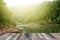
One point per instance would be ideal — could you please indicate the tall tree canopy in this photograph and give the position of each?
(5, 13)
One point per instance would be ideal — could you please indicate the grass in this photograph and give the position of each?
(43, 29)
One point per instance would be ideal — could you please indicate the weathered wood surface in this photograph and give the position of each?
(31, 36)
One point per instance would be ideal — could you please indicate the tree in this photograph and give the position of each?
(58, 10)
(5, 13)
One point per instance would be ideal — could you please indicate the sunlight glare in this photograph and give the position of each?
(23, 2)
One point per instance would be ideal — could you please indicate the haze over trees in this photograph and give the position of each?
(46, 12)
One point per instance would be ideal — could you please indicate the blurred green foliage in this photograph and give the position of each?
(5, 14)
(44, 13)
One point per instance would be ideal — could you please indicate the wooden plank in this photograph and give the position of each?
(34, 36)
(17, 37)
(31, 36)
(4, 36)
(23, 37)
(56, 36)
(11, 36)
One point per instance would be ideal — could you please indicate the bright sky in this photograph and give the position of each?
(23, 2)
